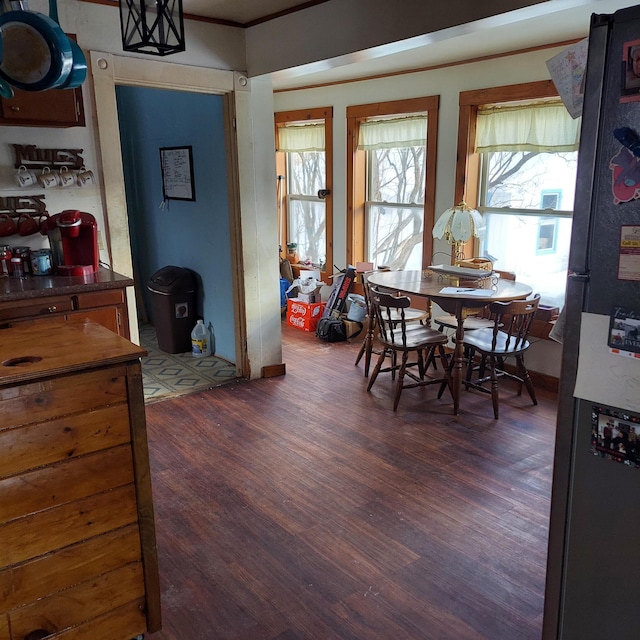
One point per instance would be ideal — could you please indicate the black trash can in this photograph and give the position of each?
(173, 307)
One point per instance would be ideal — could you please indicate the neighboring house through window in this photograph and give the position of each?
(520, 166)
(391, 149)
(304, 165)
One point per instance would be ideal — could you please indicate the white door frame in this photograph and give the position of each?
(108, 71)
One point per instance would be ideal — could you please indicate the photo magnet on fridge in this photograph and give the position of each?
(630, 76)
(624, 331)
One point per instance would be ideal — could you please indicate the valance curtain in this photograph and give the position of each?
(393, 132)
(304, 137)
(543, 127)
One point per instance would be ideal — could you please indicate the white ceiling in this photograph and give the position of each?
(545, 23)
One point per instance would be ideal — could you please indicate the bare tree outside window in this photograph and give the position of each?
(307, 214)
(521, 234)
(395, 206)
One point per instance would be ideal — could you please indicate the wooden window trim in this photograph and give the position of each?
(282, 118)
(356, 179)
(467, 186)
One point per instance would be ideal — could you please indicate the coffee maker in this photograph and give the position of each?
(73, 236)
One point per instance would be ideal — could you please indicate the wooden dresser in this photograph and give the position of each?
(78, 555)
(44, 300)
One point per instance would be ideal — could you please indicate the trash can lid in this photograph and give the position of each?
(171, 279)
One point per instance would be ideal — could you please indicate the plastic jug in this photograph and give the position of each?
(358, 307)
(200, 340)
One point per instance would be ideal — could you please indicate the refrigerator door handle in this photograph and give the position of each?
(579, 277)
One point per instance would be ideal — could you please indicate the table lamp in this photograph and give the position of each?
(458, 225)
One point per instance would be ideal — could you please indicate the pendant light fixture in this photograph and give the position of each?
(152, 26)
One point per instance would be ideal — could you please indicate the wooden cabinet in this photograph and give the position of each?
(78, 555)
(107, 307)
(53, 108)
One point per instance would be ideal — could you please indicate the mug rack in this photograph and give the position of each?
(15, 206)
(32, 157)
(35, 161)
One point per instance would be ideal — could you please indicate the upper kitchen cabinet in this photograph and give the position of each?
(53, 108)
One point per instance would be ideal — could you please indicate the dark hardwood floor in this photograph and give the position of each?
(303, 507)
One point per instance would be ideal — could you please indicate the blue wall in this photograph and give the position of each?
(183, 233)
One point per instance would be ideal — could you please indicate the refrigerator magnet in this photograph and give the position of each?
(629, 253)
(625, 176)
(630, 76)
(624, 332)
(615, 435)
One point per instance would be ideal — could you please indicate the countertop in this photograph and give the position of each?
(60, 349)
(40, 286)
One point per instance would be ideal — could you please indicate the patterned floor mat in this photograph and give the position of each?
(172, 374)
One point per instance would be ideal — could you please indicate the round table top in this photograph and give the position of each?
(431, 285)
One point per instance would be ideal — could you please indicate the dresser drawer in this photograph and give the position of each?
(35, 307)
(34, 579)
(122, 623)
(53, 529)
(93, 299)
(56, 397)
(82, 602)
(35, 445)
(54, 485)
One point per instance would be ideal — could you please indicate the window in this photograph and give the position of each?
(525, 158)
(390, 181)
(550, 199)
(303, 161)
(394, 206)
(547, 233)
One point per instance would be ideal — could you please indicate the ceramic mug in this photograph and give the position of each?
(48, 178)
(66, 177)
(85, 178)
(28, 224)
(25, 177)
(8, 225)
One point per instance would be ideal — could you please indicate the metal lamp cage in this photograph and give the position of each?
(152, 26)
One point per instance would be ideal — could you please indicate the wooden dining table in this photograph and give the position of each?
(458, 297)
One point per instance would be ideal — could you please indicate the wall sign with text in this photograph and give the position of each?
(177, 173)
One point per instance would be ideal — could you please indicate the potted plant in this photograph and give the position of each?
(292, 255)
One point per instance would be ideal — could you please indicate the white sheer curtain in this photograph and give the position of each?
(542, 127)
(301, 137)
(393, 132)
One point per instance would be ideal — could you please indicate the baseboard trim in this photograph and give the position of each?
(274, 370)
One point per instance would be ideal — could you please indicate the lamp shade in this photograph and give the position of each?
(152, 26)
(459, 224)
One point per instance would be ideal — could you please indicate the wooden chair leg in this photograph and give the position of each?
(363, 347)
(494, 386)
(400, 382)
(470, 365)
(376, 369)
(526, 378)
(421, 365)
(366, 348)
(448, 380)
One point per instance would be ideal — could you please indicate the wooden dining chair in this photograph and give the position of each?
(489, 348)
(400, 338)
(411, 314)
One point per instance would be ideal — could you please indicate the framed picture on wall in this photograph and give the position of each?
(176, 164)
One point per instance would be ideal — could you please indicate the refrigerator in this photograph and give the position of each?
(593, 571)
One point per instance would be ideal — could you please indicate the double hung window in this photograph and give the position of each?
(304, 186)
(525, 154)
(394, 208)
(391, 181)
